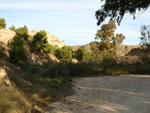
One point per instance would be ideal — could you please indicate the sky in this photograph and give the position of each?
(73, 21)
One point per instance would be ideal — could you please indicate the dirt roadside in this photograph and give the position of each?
(110, 94)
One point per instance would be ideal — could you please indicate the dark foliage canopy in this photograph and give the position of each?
(116, 9)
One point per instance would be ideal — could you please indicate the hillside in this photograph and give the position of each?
(124, 53)
(35, 58)
(122, 50)
(6, 35)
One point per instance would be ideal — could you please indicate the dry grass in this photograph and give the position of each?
(11, 101)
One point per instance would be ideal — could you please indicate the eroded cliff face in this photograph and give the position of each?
(6, 35)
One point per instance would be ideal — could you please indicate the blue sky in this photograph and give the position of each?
(72, 21)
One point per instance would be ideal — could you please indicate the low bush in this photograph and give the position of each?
(118, 69)
(57, 70)
(108, 60)
(146, 59)
(72, 70)
(2, 49)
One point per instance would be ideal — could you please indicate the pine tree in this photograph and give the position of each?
(2, 23)
(17, 52)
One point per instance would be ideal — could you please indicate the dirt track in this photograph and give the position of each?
(119, 94)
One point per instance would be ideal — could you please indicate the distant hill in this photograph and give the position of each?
(122, 50)
(86, 46)
(125, 53)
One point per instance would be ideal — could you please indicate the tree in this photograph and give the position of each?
(39, 41)
(12, 28)
(17, 52)
(82, 55)
(23, 32)
(106, 36)
(145, 35)
(2, 23)
(64, 53)
(116, 9)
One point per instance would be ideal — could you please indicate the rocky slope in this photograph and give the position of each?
(39, 57)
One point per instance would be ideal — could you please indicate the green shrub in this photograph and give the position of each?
(96, 58)
(17, 52)
(64, 54)
(146, 59)
(118, 69)
(57, 70)
(23, 32)
(82, 55)
(2, 49)
(81, 69)
(48, 48)
(39, 41)
(2, 23)
(108, 60)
